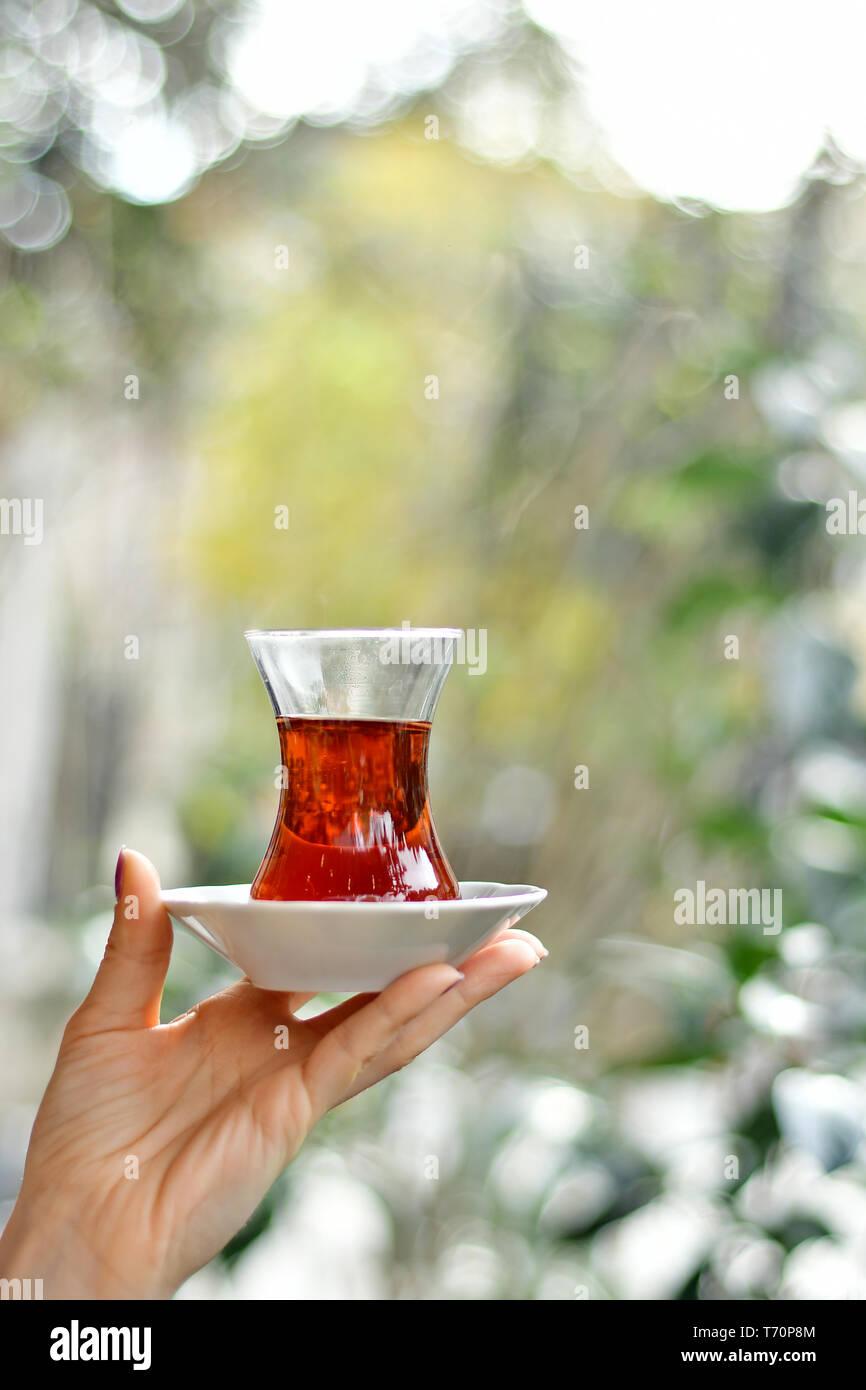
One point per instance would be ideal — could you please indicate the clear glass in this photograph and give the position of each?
(354, 710)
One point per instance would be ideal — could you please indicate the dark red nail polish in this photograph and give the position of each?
(118, 873)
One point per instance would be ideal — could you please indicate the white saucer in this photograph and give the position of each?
(345, 947)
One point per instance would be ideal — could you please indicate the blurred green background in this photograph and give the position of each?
(429, 311)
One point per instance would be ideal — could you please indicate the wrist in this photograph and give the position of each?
(47, 1246)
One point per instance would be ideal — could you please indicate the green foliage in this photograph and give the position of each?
(309, 389)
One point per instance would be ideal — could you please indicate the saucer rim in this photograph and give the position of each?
(177, 897)
(354, 632)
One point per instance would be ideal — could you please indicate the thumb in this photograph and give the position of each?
(128, 987)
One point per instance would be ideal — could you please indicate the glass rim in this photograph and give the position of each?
(353, 633)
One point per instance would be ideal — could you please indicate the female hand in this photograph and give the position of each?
(155, 1142)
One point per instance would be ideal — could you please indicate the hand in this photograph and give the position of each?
(155, 1142)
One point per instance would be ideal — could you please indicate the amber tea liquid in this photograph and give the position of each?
(354, 819)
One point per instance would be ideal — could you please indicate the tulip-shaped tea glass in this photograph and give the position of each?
(353, 712)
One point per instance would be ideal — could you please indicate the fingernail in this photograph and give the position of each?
(544, 953)
(460, 977)
(118, 873)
